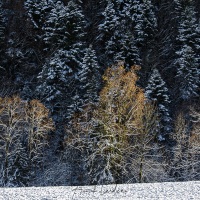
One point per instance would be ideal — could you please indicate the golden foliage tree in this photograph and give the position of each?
(23, 134)
(39, 124)
(119, 131)
(11, 119)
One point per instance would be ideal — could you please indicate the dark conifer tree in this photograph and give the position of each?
(157, 91)
(187, 51)
(89, 77)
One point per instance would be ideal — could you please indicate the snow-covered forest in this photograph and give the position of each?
(99, 92)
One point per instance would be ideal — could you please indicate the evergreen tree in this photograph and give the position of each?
(38, 11)
(2, 39)
(64, 33)
(88, 76)
(119, 42)
(65, 26)
(109, 33)
(187, 73)
(127, 26)
(141, 19)
(157, 91)
(187, 53)
(2, 29)
(56, 78)
(87, 84)
(128, 50)
(75, 106)
(110, 21)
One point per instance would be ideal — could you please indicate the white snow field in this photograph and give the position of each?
(150, 191)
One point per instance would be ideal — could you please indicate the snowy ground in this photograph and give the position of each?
(172, 191)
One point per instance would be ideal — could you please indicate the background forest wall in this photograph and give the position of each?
(57, 52)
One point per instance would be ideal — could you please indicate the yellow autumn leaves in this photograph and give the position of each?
(120, 130)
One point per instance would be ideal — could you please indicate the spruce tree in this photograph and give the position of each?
(64, 34)
(140, 17)
(187, 52)
(87, 83)
(128, 50)
(157, 91)
(127, 26)
(109, 33)
(110, 21)
(187, 73)
(56, 78)
(38, 11)
(75, 107)
(2, 28)
(65, 26)
(88, 76)
(2, 38)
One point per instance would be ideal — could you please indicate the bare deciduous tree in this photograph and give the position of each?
(185, 164)
(38, 126)
(117, 136)
(23, 134)
(11, 132)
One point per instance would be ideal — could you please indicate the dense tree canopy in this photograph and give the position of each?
(110, 121)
